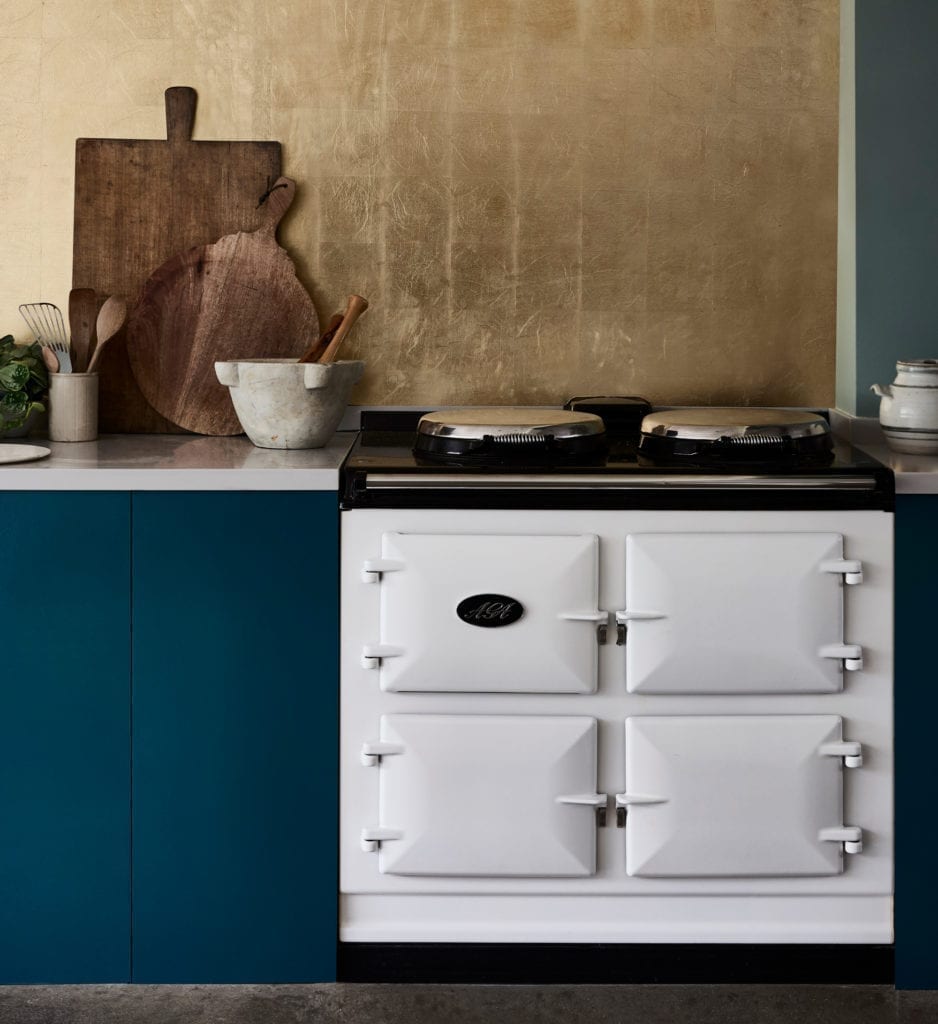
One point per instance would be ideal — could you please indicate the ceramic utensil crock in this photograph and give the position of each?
(73, 406)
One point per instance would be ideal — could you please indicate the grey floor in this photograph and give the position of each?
(465, 1004)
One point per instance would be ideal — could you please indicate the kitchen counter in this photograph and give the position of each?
(177, 462)
(915, 474)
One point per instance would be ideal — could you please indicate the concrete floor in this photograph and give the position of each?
(464, 1004)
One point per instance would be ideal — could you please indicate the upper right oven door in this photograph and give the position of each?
(736, 613)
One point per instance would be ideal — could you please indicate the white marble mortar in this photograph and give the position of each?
(285, 404)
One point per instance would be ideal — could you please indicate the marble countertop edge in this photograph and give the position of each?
(176, 462)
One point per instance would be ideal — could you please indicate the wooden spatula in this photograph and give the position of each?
(82, 307)
(236, 299)
(110, 321)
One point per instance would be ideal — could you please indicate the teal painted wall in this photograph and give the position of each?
(896, 189)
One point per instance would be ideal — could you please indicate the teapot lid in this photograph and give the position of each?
(917, 365)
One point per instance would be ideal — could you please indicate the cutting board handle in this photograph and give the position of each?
(278, 201)
(180, 113)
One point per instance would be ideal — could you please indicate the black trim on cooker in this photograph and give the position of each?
(632, 963)
(880, 496)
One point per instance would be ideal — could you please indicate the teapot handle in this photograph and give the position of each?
(883, 391)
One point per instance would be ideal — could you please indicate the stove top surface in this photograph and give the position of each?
(386, 444)
(383, 465)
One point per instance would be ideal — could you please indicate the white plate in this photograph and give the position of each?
(22, 452)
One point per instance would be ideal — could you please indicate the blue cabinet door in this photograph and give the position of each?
(916, 715)
(235, 654)
(64, 737)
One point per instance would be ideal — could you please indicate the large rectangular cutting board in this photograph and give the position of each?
(140, 201)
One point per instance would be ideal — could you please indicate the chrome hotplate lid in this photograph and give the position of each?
(509, 422)
(725, 437)
(729, 423)
(509, 435)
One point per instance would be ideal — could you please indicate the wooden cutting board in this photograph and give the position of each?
(139, 202)
(236, 299)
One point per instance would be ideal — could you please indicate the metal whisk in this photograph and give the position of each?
(48, 325)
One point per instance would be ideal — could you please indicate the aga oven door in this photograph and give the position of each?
(737, 612)
(487, 613)
(485, 795)
(739, 796)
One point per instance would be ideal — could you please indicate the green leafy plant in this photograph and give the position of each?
(23, 383)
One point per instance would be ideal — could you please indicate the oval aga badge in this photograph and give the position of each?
(490, 610)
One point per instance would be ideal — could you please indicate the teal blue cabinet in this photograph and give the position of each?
(235, 706)
(64, 737)
(916, 714)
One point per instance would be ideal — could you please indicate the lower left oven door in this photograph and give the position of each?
(485, 795)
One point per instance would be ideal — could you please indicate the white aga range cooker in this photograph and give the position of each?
(594, 694)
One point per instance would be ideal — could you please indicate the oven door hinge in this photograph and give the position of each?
(374, 750)
(850, 654)
(849, 568)
(597, 800)
(849, 835)
(624, 617)
(625, 800)
(374, 568)
(849, 750)
(373, 654)
(372, 838)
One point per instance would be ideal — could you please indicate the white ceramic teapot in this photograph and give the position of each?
(908, 411)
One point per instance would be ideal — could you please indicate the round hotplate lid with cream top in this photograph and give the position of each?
(730, 434)
(509, 433)
(713, 424)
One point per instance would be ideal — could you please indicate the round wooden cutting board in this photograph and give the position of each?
(238, 298)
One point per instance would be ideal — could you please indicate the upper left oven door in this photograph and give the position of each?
(486, 613)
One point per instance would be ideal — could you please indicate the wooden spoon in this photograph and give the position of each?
(312, 354)
(356, 306)
(110, 321)
(82, 306)
(50, 359)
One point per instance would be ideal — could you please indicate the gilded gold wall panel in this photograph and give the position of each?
(539, 197)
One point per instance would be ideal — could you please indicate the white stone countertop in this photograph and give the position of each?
(176, 462)
(915, 474)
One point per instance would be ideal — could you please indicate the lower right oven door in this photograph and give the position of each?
(740, 795)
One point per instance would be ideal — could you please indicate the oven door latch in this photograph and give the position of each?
(626, 800)
(600, 618)
(597, 800)
(849, 568)
(850, 654)
(849, 835)
(623, 618)
(374, 568)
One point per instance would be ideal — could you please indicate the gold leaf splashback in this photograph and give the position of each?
(538, 197)
(560, 197)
